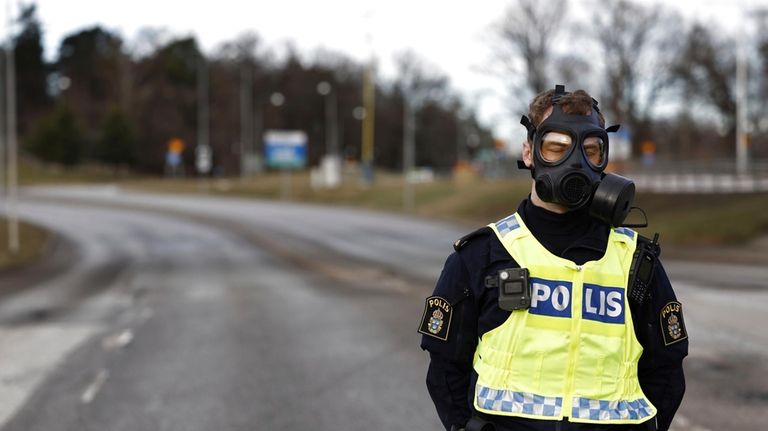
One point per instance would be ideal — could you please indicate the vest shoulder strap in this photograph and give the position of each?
(463, 241)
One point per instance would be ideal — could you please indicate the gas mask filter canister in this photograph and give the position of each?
(612, 199)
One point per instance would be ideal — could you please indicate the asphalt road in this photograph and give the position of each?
(189, 313)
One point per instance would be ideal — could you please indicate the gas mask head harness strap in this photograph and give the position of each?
(570, 154)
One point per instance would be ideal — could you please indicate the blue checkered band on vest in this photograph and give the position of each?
(507, 225)
(624, 231)
(601, 410)
(518, 402)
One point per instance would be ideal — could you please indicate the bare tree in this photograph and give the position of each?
(418, 86)
(639, 45)
(758, 112)
(419, 80)
(706, 68)
(524, 39)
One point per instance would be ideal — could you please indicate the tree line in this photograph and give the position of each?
(101, 100)
(667, 79)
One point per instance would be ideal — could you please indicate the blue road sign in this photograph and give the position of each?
(285, 149)
(172, 159)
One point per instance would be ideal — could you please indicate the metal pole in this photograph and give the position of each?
(203, 114)
(258, 131)
(408, 154)
(334, 123)
(246, 115)
(369, 100)
(10, 86)
(203, 122)
(285, 183)
(202, 103)
(461, 136)
(742, 155)
(3, 124)
(328, 120)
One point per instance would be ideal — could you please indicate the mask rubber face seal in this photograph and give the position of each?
(570, 154)
(575, 129)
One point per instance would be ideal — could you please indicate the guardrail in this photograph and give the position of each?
(700, 183)
(698, 176)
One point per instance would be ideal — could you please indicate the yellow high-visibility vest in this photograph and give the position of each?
(573, 353)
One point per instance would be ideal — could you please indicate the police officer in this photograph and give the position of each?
(551, 319)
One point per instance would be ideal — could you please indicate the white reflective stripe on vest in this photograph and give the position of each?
(519, 402)
(602, 410)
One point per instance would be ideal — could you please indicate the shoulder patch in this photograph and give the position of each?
(672, 324)
(461, 242)
(436, 321)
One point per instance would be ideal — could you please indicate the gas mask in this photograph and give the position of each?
(570, 153)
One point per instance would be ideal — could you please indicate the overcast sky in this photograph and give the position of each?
(452, 35)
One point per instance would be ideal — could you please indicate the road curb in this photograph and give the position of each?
(58, 253)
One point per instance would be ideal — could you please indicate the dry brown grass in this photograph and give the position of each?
(33, 242)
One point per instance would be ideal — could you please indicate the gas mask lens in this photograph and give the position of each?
(594, 149)
(555, 146)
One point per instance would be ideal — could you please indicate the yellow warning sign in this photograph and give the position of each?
(648, 147)
(175, 146)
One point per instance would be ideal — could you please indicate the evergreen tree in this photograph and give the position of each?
(117, 144)
(31, 69)
(57, 138)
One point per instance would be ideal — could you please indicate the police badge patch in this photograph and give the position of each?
(672, 325)
(436, 320)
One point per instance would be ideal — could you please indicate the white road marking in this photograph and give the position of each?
(681, 420)
(117, 341)
(28, 354)
(93, 389)
(682, 423)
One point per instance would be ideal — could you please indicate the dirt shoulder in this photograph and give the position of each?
(752, 253)
(34, 242)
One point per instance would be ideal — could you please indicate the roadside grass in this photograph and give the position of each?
(714, 219)
(32, 172)
(687, 219)
(33, 240)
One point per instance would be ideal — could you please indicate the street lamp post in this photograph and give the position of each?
(246, 115)
(203, 153)
(277, 99)
(409, 153)
(325, 89)
(742, 65)
(10, 129)
(369, 104)
(330, 164)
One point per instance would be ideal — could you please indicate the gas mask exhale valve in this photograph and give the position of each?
(570, 153)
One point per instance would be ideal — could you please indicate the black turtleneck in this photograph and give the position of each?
(573, 235)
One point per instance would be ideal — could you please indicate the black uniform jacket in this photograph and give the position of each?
(574, 236)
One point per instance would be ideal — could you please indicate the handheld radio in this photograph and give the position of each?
(642, 269)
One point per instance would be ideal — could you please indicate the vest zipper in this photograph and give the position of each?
(573, 349)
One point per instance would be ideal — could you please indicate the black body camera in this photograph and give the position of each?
(514, 289)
